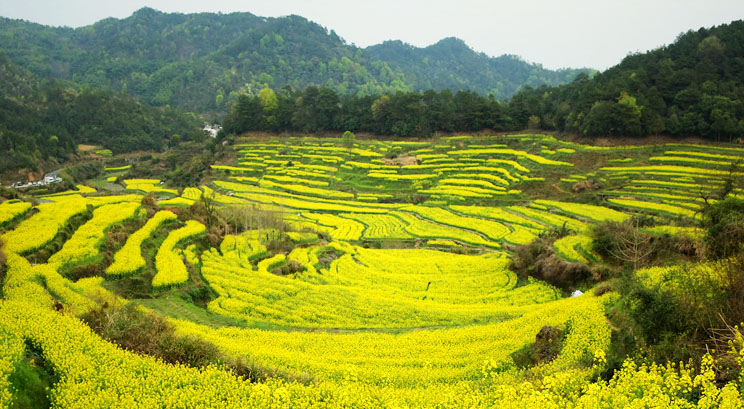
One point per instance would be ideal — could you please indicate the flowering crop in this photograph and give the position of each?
(343, 229)
(489, 228)
(654, 207)
(374, 288)
(302, 189)
(512, 152)
(591, 212)
(574, 248)
(82, 246)
(129, 259)
(41, 228)
(685, 160)
(170, 267)
(429, 230)
(550, 219)
(9, 210)
(380, 226)
(291, 179)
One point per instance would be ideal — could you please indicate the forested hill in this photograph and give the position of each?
(200, 61)
(451, 64)
(47, 119)
(693, 87)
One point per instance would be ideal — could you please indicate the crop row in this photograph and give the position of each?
(82, 246)
(9, 210)
(170, 268)
(670, 210)
(373, 289)
(43, 226)
(129, 258)
(380, 226)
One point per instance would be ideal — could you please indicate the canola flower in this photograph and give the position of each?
(425, 229)
(655, 207)
(380, 226)
(10, 209)
(41, 228)
(170, 268)
(575, 248)
(342, 228)
(491, 229)
(449, 365)
(128, 259)
(82, 246)
(296, 180)
(504, 151)
(591, 212)
(369, 289)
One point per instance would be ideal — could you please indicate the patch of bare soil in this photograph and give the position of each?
(403, 160)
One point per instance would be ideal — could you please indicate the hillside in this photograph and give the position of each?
(451, 64)
(692, 87)
(47, 119)
(201, 61)
(319, 273)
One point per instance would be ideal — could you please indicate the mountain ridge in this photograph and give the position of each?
(202, 61)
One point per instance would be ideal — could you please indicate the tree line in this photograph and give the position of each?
(402, 114)
(45, 120)
(693, 87)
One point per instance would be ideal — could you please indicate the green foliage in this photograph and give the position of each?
(178, 59)
(451, 64)
(46, 120)
(147, 333)
(404, 114)
(691, 87)
(724, 223)
(538, 260)
(348, 139)
(31, 380)
(84, 171)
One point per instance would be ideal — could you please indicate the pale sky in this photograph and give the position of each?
(555, 33)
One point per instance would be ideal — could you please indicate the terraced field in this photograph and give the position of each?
(384, 281)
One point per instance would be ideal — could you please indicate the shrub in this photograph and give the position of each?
(724, 223)
(548, 343)
(149, 334)
(348, 139)
(539, 260)
(624, 243)
(290, 267)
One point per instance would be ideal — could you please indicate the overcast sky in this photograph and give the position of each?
(555, 33)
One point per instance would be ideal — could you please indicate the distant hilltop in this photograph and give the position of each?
(201, 62)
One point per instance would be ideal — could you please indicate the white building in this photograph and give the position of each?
(212, 130)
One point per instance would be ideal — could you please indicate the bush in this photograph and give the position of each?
(538, 260)
(724, 225)
(624, 243)
(548, 343)
(288, 268)
(149, 334)
(686, 314)
(348, 139)
(84, 171)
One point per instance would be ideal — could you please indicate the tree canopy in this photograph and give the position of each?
(693, 87)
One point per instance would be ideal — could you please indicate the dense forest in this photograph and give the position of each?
(47, 119)
(404, 114)
(201, 62)
(451, 64)
(693, 87)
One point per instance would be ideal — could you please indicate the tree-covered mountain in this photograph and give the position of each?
(201, 61)
(47, 119)
(451, 64)
(693, 87)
